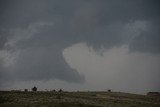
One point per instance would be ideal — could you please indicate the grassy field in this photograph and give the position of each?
(76, 99)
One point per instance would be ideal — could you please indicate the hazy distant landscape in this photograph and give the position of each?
(76, 99)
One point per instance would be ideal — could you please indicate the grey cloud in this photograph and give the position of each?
(39, 57)
(101, 23)
(45, 63)
(3, 40)
(4, 75)
(146, 42)
(98, 23)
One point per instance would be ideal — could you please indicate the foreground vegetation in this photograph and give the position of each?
(76, 99)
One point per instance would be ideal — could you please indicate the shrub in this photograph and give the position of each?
(34, 88)
(25, 90)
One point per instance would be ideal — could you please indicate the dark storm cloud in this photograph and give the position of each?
(4, 75)
(45, 63)
(3, 40)
(101, 23)
(148, 41)
(98, 23)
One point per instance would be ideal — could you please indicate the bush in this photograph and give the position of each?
(34, 88)
(25, 90)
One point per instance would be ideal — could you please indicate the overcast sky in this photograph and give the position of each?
(80, 45)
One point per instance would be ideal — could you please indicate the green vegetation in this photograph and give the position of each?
(76, 99)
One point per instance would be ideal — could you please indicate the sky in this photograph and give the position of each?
(92, 45)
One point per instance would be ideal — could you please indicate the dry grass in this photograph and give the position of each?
(76, 99)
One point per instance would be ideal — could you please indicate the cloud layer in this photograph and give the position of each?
(34, 34)
(117, 69)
